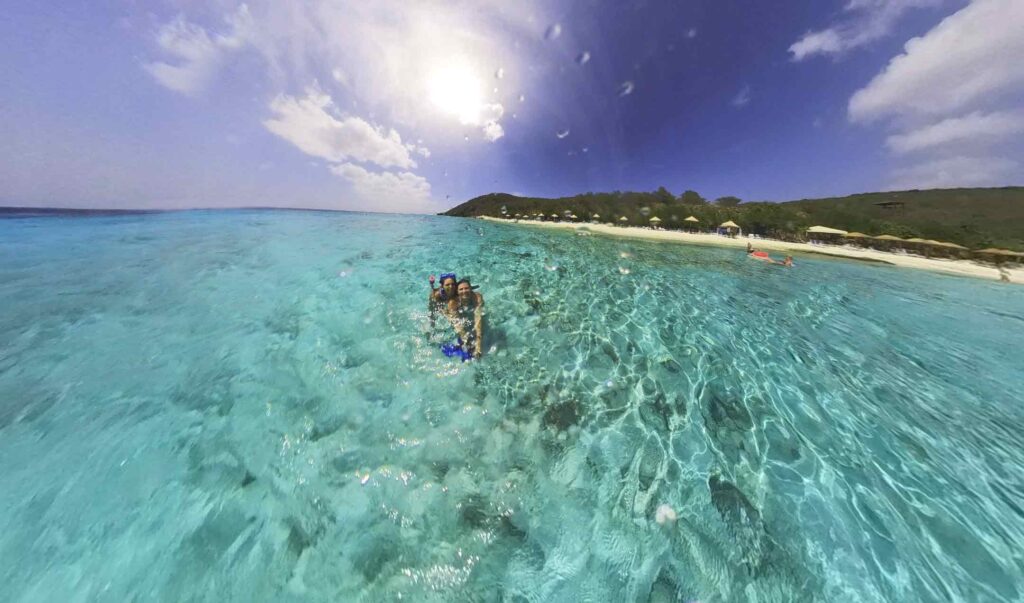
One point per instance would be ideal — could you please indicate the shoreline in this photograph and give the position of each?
(953, 267)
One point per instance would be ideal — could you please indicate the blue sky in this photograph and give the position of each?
(417, 106)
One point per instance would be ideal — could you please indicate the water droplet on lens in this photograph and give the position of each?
(553, 31)
(522, 97)
(495, 89)
(500, 73)
(562, 133)
(645, 211)
(466, 137)
(583, 58)
(585, 150)
(626, 88)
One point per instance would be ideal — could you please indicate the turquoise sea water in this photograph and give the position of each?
(248, 406)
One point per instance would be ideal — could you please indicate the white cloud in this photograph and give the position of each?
(973, 128)
(742, 97)
(311, 125)
(493, 131)
(955, 98)
(389, 55)
(814, 42)
(973, 56)
(865, 21)
(198, 54)
(389, 191)
(953, 172)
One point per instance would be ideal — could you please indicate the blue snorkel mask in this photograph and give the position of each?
(444, 276)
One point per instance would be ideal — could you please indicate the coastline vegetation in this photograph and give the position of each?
(975, 218)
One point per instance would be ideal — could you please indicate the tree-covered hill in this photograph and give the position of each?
(973, 217)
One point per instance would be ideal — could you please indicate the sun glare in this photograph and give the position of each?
(457, 91)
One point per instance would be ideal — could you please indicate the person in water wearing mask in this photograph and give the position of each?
(438, 299)
(466, 313)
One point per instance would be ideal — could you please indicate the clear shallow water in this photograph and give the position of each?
(246, 405)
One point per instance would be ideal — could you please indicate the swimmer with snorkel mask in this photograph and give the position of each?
(440, 296)
(463, 307)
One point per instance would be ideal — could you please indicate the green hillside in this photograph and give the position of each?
(973, 217)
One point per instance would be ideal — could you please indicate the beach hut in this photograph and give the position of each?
(887, 241)
(950, 249)
(825, 230)
(999, 256)
(855, 238)
(824, 234)
(730, 228)
(919, 244)
(655, 221)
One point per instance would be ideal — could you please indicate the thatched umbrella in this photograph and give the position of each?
(623, 219)
(888, 240)
(655, 221)
(855, 235)
(691, 219)
(948, 245)
(999, 256)
(824, 233)
(825, 230)
(730, 226)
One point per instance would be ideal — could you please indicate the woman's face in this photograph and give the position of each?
(448, 285)
(465, 290)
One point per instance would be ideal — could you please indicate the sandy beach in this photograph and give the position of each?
(955, 267)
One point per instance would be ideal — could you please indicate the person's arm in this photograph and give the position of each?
(478, 325)
(432, 302)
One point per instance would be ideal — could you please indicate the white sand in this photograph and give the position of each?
(956, 267)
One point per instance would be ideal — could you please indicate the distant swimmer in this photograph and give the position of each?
(466, 313)
(764, 257)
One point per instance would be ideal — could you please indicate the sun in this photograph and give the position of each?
(457, 91)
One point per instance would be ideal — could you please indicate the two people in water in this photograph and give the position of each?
(757, 254)
(457, 301)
